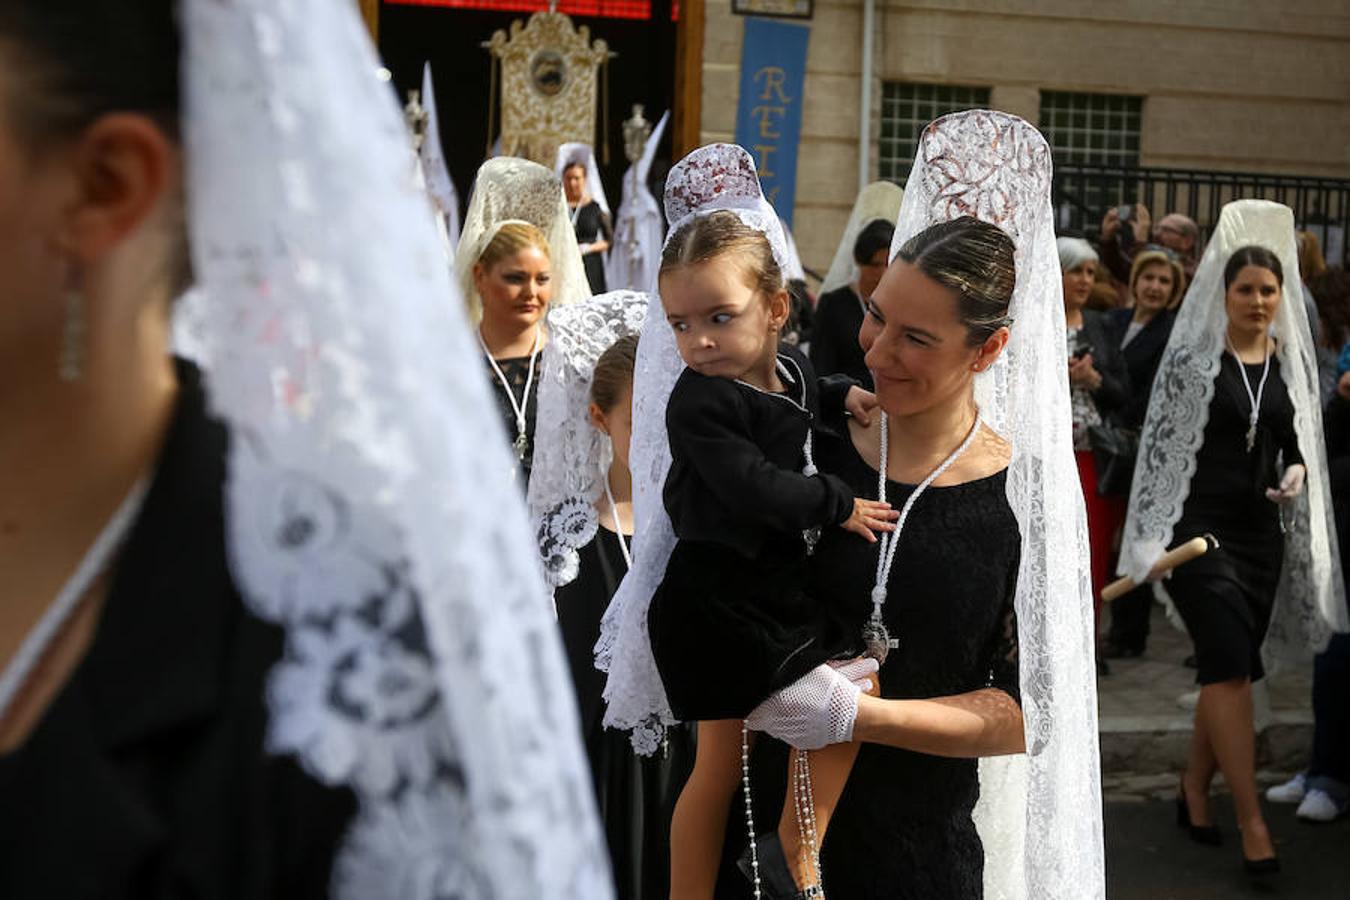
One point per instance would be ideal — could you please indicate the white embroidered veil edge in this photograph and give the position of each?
(1039, 814)
(1310, 599)
(506, 189)
(710, 179)
(568, 476)
(879, 200)
(368, 509)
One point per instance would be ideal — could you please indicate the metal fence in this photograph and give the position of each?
(1083, 193)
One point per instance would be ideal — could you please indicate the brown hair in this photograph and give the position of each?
(1159, 257)
(1310, 260)
(723, 234)
(614, 373)
(1331, 293)
(975, 260)
(510, 239)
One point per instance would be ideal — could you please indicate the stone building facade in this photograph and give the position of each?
(1227, 85)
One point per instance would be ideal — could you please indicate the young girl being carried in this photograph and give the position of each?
(746, 504)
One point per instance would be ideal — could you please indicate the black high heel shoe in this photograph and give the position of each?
(1261, 868)
(1208, 835)
(773, 876)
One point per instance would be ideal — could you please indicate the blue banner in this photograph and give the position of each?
(769, 114)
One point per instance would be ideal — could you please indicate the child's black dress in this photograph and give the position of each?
(730, 622)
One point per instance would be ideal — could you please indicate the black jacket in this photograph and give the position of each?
(834, 336)
(1142, 356)
(1115, 391)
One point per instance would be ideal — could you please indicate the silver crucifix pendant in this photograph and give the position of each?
(519, 445)
(878, 640)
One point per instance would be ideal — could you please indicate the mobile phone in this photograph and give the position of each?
(1125, 211)
(1081, 351)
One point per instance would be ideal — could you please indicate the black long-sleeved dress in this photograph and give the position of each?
(902, 829)
(1226, 596)
(834, 336)
(517, 373)
(147, 776)
(591, 224)
(636, 794)
(739, 504)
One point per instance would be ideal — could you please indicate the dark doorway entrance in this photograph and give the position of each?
(451, 40)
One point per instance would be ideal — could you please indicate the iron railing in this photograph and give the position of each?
(1083, 193)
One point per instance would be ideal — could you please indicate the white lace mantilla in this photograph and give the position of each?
(509, 189)
(1039, 815)
(368, 507)
(1309, 600)
(635, 259)
(570, 467)
(879, 200)
(712, 178)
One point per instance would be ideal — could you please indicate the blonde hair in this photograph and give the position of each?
(1311, 263)
(510, 239)
(723, 234)
(1158, 257)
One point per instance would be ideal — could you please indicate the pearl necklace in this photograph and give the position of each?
(875, 636)
(521, 441)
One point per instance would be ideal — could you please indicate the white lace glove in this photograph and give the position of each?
(1291, 485)
(817, 709)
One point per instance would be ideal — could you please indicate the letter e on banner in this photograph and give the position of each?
(769, 112)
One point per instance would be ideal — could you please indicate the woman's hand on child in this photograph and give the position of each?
(869, 517)
(859, 404)
(819, 708)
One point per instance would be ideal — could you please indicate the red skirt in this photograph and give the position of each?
(1105, 516)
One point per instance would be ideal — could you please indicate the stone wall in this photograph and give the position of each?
(1228, 84)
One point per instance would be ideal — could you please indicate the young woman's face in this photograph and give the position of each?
(1154, 286)
(723, 326)
(1252, 300)
(1078, 283)
(34, 193)
(517, 288)
(869, 274)
(916, 345)
(574, 183)
(617, 422)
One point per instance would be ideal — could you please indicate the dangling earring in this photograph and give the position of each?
(70, 367)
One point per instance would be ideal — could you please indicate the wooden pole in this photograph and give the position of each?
(1177, 556)
(688, 130)
(370, 10)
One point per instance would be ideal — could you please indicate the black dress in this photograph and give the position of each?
(1226, 596)
(147, 776)
(834, 336)
(517, 373)
(591, 224)
(902, 829)
(636, 794)
(739, 504)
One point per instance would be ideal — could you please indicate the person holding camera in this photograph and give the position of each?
(1099, 389)
(1128, 230)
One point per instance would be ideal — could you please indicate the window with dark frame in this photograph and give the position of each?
(906, 109)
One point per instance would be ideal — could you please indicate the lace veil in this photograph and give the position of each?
(368, 506)
(711, 178)
(512, 189)
(879, 200)
(1309, 601)
(440, 185)
(571, 466)
(1039, 814)
(576, 152)
(635, 257)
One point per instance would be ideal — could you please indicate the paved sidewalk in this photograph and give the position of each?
(1144, 730)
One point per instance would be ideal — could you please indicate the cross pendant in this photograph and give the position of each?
(519, 445)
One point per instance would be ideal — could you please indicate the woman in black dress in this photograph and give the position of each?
(590, 221)
(1232, 446)
(839, 313)
(983, 595)
(513, 277)
(1141, 333)
(216, 679)
(636, 793)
